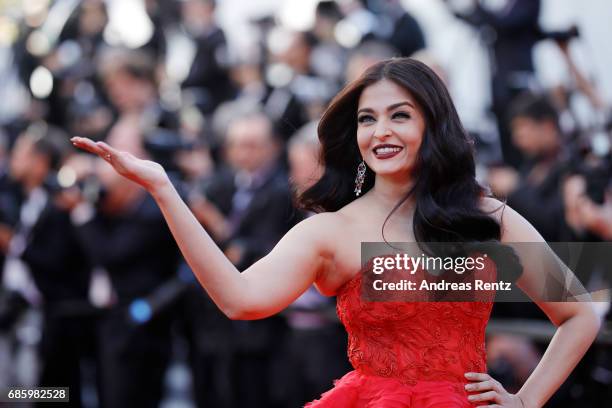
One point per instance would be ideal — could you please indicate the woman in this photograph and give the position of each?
(397, 128)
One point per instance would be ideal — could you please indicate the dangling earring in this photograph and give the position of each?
(361, 170)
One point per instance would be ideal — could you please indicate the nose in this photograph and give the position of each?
(382, 131)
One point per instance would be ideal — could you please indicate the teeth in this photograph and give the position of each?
(383, 150)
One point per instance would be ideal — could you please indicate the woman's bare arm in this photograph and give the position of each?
(266, 287)
(577, 322)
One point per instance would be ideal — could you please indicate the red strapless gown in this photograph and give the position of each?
(409, 354)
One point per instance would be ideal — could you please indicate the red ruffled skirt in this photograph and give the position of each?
(357, 390)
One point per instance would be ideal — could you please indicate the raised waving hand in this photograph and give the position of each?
(147, 173)
(266, 287)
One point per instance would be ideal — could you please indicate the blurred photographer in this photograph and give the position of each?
(583, 213)
(314, 349)
(535, 189)
(247, 207)
(45, 262)
(11, 198)
(587, 194)
(130, 81)
(124, 233)
(208, 80)
(509, 30)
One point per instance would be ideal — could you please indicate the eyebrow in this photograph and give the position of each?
(389, 108)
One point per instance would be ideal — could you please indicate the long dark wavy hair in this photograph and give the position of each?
(446, 192)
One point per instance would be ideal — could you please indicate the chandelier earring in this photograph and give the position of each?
(361, 171)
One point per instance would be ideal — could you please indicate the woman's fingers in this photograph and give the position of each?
(104, 150)
(485, 396)
(87, 145)
(477, 376)
(489, 388)
(483, 385)
(109, 152)
(108, 148)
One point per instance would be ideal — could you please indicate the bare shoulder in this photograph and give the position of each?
(319, 228)
(515, 228)
(353, 209)
(320, 220)
(493, 207)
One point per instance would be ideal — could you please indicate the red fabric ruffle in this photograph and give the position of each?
(357, 390)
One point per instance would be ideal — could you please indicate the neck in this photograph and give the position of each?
(389, 191)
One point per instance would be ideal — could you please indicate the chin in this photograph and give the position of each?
(388, 172)
(389, 167)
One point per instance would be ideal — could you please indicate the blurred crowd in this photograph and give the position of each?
(92, 279)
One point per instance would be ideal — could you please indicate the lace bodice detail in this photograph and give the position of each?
(415, 341)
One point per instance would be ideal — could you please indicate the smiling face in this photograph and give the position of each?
(390, 128)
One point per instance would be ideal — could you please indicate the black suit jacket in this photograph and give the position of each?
(136, 248)
(267, 218)
(517, 30)
(57, 263)
(208, 75)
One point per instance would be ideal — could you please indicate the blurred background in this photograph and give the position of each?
(226, 95)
